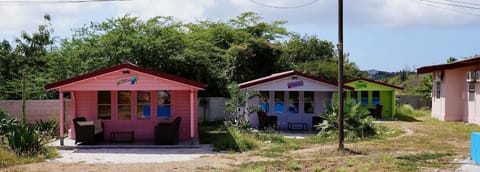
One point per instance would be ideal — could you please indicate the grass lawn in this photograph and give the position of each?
(420, 143)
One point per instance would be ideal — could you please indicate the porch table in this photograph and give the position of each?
(115, 134)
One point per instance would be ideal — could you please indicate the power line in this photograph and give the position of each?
(463, 2)
(443, 7)
(284, 7)
(452, 4)
(26, 2)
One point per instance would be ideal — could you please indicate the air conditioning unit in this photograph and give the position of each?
(471, 76)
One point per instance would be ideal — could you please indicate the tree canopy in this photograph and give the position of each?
(213, 52)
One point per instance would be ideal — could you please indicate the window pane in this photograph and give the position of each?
(124, 97)
(376, 97)
(364, 97)
(103, 108)
(293, 102)
(163, 107)
(437, 93)
(104, 112)
(279, 99)
(143, 105)
(308, 102)
(103, 97)
(124, 101)
(264, 99)
(124, 112)
(471, 91)
(354, 96)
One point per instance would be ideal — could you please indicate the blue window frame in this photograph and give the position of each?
(364, 97)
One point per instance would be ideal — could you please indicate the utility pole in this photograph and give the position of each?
(340, 76)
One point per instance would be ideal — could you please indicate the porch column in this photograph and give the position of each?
(192, 121)
(61, 121)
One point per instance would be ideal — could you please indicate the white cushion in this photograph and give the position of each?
(85, 123)
(98, 126)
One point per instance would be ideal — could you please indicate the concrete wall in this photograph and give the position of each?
(36, 109)
(415, 101)
(215, 109)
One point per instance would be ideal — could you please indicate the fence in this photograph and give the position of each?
(417, 102)
(36, 109)
(49, 109)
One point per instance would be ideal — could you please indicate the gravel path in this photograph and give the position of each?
(126, 156)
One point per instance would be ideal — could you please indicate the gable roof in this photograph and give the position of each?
(373, 81)
(123, 66)
(457, 64)
(280, 75)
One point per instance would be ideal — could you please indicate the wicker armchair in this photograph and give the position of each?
(87, 132)
(167, 133)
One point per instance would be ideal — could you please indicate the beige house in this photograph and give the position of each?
(455, 90)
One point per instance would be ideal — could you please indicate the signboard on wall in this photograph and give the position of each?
(295, 84)
(131, 79)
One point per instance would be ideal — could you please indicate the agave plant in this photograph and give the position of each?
(48, 128)
(357, 121)
(25, 141)
(7, 124)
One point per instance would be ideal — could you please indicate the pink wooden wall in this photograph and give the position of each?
(86, 106)
(84, 103)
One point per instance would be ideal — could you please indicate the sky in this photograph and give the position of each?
(387, 35)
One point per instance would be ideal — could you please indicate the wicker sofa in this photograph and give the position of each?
(88, 132)
(167, 133)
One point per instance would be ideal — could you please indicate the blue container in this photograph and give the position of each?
(475, 147)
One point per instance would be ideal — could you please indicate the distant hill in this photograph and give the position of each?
(383, 75)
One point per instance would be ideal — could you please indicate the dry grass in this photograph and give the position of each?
(424, 145)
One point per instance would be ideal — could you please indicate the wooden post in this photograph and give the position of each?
(61, 121)
(192, 120)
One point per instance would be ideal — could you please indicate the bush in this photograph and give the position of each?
(408, 110)
(7, 124)
(235, 140)
(25, 141)
(358, 124)
(48, 128)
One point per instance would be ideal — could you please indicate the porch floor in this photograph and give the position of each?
(69, 144)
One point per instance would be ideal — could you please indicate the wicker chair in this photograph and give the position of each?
(87, 132)
(167, 133)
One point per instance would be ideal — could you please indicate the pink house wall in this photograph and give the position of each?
(455, 94)
(84, 103)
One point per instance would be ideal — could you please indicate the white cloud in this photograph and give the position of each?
(372, 13)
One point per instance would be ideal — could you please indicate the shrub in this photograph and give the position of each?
(7, 124)
(358, 124)
(48, 128)
(408, 110)
(25, 141)
(235, 140)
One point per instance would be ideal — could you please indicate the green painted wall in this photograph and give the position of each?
(387, 96)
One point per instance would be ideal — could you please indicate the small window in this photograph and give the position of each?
(293, 104)
(438, 89)
(104, 108)
(143, 105)
(279, 100)
(376, 98)
(124, 105)
(471, 91)
(264, 99)
(163, 107)
(364, 97)
(308, 98)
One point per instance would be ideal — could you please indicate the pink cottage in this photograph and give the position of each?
(130, 99)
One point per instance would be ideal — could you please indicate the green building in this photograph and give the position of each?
(371, 93)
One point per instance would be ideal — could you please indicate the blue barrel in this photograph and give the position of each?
(475, 147)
